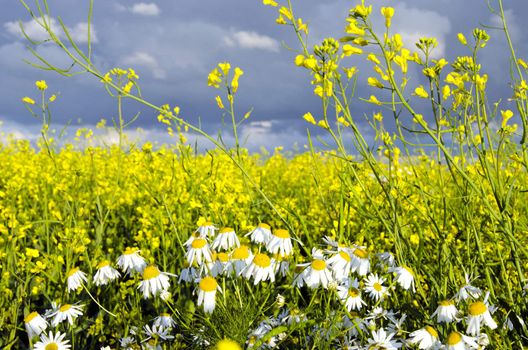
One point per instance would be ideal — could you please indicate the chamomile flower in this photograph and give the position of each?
(75, 278)
(280, 243)
(222, 265)
(241, 258)
(66, 312)
(381, 340)
(207, 288)
(199, 251)
(341, 264)
(404, 277)
(386, 259)
(207, 230)
(350, 295)
(164, 320)
(360, 261)
(131, 261)
(468, 291)
(445, 312)
(374, 286)
(317, 273)
(459, 341)
(478, 313)
(262, 268)
(154, 281)
(226, 239)
(282, 265)
(425, 338)
(105, 273)
(261, 234)
(157, 332)
(52, 342)
(35, 324)
(188, 273)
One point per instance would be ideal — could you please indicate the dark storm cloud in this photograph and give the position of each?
(174, 44)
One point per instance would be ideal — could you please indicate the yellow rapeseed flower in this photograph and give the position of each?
(41, 85)
(309, 118)
(420, 92)
(387, 12)
(28, 100)
(270, 3)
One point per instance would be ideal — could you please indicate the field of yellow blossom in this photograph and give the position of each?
(385, 246)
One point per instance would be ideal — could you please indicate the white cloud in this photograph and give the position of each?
(413, 24)
(252, 40)
(144, 59)
(145, 9)
(35, 31)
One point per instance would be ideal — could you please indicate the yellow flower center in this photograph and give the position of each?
(446, 303)
(477, 308)
(353, 292)
(361, 253)
(223, 257)
(130, 250)
(103, 264)
(241, 253)
(344, 255)
(378, 287)
(454, 338)
(30, 317)
(208, 284)
(226, 230)
(262, 260)
(164, 314)
(51, 346)
(281, 233)
(431, 331)
(228, 344)
(263, 225)
(318, 264)
(73, 271)
(198, 243)
(150, 271)
(208, 223)
(65, 307)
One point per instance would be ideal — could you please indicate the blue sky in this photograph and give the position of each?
(173, 44)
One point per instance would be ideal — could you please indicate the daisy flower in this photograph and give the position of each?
(341, 264)
(154, 281)
(52, 341)
(404, 277)
(280, 243)
(157, 332)
(425, 338)
(478, 312)
(374, 286)
(207, 288)
(381, 340)
(282, 265)
(188, 274)
(198, 251)
(261, 234)
(207, 229)
(226, 239)
(459, 341)
(75, 279)
(105, 273)
(360, 261)
(164, 320)
(317, 273)
(222, 265)
(66, 311)
(241, 257)
(131, 261)
(350, 295)
(262, 268)
(35, 324)
(468, 291)
(445, 312)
